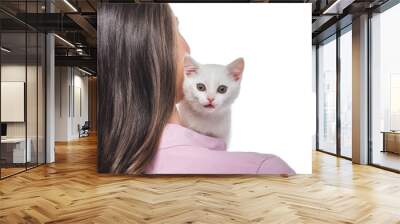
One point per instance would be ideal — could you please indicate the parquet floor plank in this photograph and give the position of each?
(71, 191)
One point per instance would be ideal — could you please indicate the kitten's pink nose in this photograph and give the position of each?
(210, 99)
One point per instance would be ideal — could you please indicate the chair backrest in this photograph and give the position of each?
(86, 125)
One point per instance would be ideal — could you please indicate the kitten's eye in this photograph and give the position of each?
(222, 89)
(201, 87)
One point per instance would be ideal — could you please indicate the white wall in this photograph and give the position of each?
(16, 72)
(33, 127)
(69, 82)
(80, 84)
(61, 103)
(274, 112)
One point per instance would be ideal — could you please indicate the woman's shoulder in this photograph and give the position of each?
(184, 151)
(178, 135)
(185, 159)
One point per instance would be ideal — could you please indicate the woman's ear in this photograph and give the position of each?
(236, 68)
(191, 66)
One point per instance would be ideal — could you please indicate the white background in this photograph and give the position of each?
(274, 112)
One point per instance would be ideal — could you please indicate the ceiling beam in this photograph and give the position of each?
(317, 25)
(337, 6)
(85, 61)
(86, 26)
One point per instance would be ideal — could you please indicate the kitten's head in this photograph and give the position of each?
(212, 88)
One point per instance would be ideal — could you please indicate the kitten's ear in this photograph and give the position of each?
(236, 68)
(191, 66)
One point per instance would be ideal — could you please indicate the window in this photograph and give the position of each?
(385, 89)
(22, 64)
(346, 93)
(327, 96)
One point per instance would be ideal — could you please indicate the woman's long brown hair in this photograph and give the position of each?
(136, 83)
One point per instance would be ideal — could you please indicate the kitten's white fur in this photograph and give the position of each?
(210, 121)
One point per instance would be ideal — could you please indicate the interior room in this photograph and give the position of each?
(23, 96)
(49, 110)
(25, 59)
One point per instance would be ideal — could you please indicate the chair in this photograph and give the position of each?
(84, 130)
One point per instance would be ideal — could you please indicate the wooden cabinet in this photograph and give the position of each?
(391, 142)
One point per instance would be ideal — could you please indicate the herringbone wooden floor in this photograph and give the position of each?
(70, 191)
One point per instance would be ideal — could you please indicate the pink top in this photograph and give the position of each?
(184, 151)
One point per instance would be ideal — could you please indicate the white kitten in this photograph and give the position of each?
(209, 91)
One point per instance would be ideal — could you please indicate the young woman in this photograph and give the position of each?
(140, 74)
